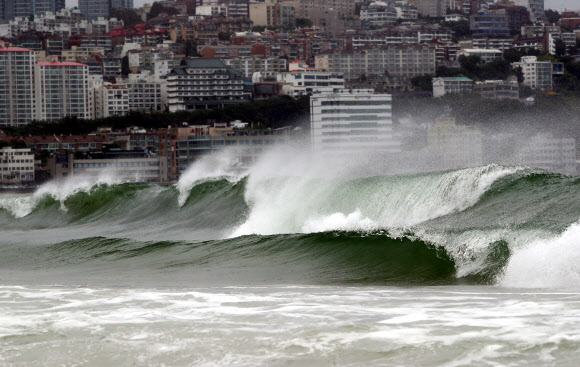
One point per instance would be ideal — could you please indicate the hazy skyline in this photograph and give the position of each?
(549, 4)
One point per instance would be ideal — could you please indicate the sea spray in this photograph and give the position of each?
(224, 164)
(546, 263)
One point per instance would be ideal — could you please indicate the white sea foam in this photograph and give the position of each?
(338, 221)
(546, 263)
(307, 326)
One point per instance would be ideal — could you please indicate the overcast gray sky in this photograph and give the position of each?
(550, 4)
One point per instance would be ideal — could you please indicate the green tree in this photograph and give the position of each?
(303, 23)
(129, 17)
(125, 66)
(191, 48)
(560, 48)
(422, 82)
(460, 29)
(553, 16)
(158, 8)
(470, 64)
(224, 36)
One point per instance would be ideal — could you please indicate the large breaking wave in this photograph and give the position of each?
(283, 223)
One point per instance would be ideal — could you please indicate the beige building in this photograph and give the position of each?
(345, 8)
(273, 13)
(16, 166)
(77, 52)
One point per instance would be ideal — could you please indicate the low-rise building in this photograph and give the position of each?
(486, 55)
(451, 85)
(16, 166)
(537, 74)
(248, 144)
(498, 89)
(378, 13)
(137, 165)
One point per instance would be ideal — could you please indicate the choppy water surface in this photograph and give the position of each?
(288, 266)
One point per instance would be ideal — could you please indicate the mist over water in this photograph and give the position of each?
(340, 254)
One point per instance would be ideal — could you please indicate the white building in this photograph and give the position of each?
(379, 13)
(352, 121)
(569, 40)
(537, 74)
(302, 82)
(498, 89)
(62, 89)
(452, 85)
(200, 83)
(16, 166)
(455, 18)
(111, 100)
(406, 10)
(211, 10)
(17, 97)
(144, 93)
(486, 55)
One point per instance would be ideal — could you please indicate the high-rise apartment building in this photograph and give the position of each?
(62, 89)
(102, 8)
(17, 99)
(9, 9)
(352, 121)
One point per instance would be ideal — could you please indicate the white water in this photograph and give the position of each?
(289, 326)
(549, 263)
(303, 203)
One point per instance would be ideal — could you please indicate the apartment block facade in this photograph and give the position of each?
(403, 61)
(204, 83)
(62, 89)
(16, 166)
(250, 65)
(17, 97)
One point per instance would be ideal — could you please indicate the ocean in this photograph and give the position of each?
(288, 265)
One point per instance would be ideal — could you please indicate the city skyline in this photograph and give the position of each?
(550, 4)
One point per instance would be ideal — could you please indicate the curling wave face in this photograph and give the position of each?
(296, 223)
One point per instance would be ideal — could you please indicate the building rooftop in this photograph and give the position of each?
(456, 78)
(59, 63)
